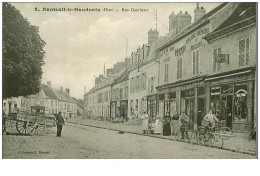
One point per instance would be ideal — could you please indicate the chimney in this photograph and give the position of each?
(199, 12)
(153, 35)
(183, 20)
(61, 89)
(172, 21)
(67, 90)
(49, 84)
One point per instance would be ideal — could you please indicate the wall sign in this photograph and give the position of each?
(197, 33)
(222, 58)
(197, 45)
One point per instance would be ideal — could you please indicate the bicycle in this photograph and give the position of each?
(223, 131)
(206, 136)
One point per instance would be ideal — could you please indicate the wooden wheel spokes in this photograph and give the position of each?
(21, 127)
(36, 126)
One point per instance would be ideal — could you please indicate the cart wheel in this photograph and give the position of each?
(21, 127)
(36, 126)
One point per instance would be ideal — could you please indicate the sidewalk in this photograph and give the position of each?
(237, 143)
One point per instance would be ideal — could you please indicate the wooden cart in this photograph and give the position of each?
(33, 123)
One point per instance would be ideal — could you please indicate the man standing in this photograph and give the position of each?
(184, 121)
(211, 118)
(59, 121)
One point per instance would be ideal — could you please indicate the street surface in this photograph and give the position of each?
(87, 142)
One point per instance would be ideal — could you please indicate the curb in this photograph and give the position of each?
(223, 148)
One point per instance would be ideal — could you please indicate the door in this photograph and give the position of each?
(201, 110)
(227, 109)
(189, 107)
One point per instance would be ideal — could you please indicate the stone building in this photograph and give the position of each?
(97, 101)
(53, 100)
(212, 63)
(143, 77)
(119, 97)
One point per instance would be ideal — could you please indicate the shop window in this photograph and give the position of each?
(216, 65)
(241, 102)
(215, 100)
(15, 107)
(166, 72)
(244, 52)
(121, 93)
(195, 62)
(179, 68)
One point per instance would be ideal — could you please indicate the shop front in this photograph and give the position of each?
(232, 99)
(123, 110)
(113, 107)
(151, 106)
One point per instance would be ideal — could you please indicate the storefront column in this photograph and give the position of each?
(196, 109)
(207, 99)
(250, 102)
(178, 101)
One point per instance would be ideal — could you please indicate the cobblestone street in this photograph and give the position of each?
(88, 142)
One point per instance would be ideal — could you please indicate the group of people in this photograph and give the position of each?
(169, 125)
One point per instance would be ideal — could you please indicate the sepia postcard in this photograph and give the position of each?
(141, 80)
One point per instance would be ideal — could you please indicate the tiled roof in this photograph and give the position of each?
(48, 91)
(63, 96)
(123, 77)
(244, 15)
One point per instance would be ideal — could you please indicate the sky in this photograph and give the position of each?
(78, 44)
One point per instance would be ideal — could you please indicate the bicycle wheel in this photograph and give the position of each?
(225, 131)
(194, 137)
(215, 140)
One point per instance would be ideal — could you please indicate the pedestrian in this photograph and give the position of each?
(175, 122)
(167, 125)
(184, 121)
(158, 125)
(145, 123)
(60, 122)
(211, 118)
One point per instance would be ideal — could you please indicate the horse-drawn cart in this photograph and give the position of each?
(32, 123)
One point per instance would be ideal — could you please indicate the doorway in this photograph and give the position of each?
(189, 108)
(201, 109)
(227, 109)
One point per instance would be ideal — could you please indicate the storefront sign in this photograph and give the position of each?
(197, 45)
(166, 60)
(180, 51)
(197, 33)
(222, 58)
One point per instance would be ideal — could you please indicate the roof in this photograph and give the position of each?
(63, 96)
(48, 91)
(184, 32)
(243, 16)
(123, 77)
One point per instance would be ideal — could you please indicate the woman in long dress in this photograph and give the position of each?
(157, 125)
(145, 123)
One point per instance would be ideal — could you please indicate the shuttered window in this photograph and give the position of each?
(216, 65)
(244, 52)
(195, 62)
(179, 68)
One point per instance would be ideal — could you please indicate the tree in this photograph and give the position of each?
(23, 54)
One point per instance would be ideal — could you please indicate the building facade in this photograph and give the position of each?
(205, 68)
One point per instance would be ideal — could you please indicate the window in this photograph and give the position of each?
(166, 72)
(179, 68)
(195, 62)
(137, 83)
(216, 65)
(126, 92)
(51, 102)
(121, 93)
(56, 102)
(244, 52)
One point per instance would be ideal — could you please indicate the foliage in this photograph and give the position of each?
(22, 53)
